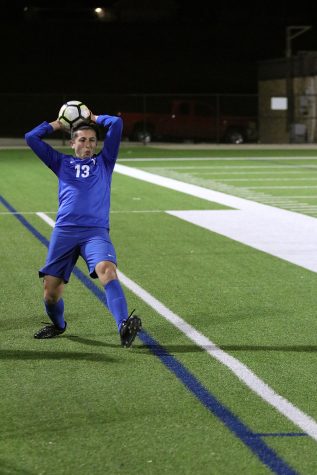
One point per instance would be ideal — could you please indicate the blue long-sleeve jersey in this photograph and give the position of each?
(84, 184)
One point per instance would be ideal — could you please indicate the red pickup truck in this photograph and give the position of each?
(188, 120)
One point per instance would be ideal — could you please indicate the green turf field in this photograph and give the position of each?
(81, 404)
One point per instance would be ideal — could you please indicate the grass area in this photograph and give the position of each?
(81, 404)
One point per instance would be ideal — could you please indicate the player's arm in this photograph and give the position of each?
(44, 151)
(56, 125)
(111, 145)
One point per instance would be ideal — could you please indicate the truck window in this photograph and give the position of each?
(183, 108)
(203, 110)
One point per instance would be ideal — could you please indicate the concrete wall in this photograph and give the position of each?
(272, 124)
(275, 78)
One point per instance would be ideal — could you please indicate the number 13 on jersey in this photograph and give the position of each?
(82, 171)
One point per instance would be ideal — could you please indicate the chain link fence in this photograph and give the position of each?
(214, 118)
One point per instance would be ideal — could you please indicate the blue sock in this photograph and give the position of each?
(55, 312)
(116, 301)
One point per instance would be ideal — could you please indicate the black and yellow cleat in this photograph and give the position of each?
(49, 331)
(129, 329)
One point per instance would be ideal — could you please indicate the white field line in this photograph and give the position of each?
(139, 211)
(285, 234)
(245, 375)
(222, 159)
(292, 179)
(210, 171)
(282, 187)
(112, 212)
(187, 188)
(26, 212)
(275, 168)
(46, 218)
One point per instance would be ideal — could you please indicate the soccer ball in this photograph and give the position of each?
(73, 113)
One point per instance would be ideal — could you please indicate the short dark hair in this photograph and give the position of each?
(90, 126)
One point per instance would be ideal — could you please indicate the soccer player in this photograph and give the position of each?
(82, 223)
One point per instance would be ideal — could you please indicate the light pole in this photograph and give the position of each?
(291, 33)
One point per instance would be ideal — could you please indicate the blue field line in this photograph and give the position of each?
(282, 434)
(100, 294)
(23, 221)
(252, 440)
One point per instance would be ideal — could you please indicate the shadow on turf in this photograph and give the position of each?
(196, 349)
(90, 342)
(137, 348)
(290, 348)
(55, 355)
(8, 469)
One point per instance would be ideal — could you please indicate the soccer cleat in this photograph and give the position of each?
(49, 331)
(129, 329)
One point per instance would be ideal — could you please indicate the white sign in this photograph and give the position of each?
(279, 103)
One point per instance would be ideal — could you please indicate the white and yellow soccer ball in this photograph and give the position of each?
(73, 113)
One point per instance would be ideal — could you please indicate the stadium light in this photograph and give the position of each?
(100, 12)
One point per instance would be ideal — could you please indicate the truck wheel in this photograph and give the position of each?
(234, 137)
(142, 134)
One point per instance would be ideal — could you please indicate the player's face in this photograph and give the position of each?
(84, 144)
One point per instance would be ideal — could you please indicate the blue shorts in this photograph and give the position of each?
(68, 243)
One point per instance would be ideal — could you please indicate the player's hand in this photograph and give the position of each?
(93, 117)
(57, 125)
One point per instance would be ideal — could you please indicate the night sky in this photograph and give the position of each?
(166, 46)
